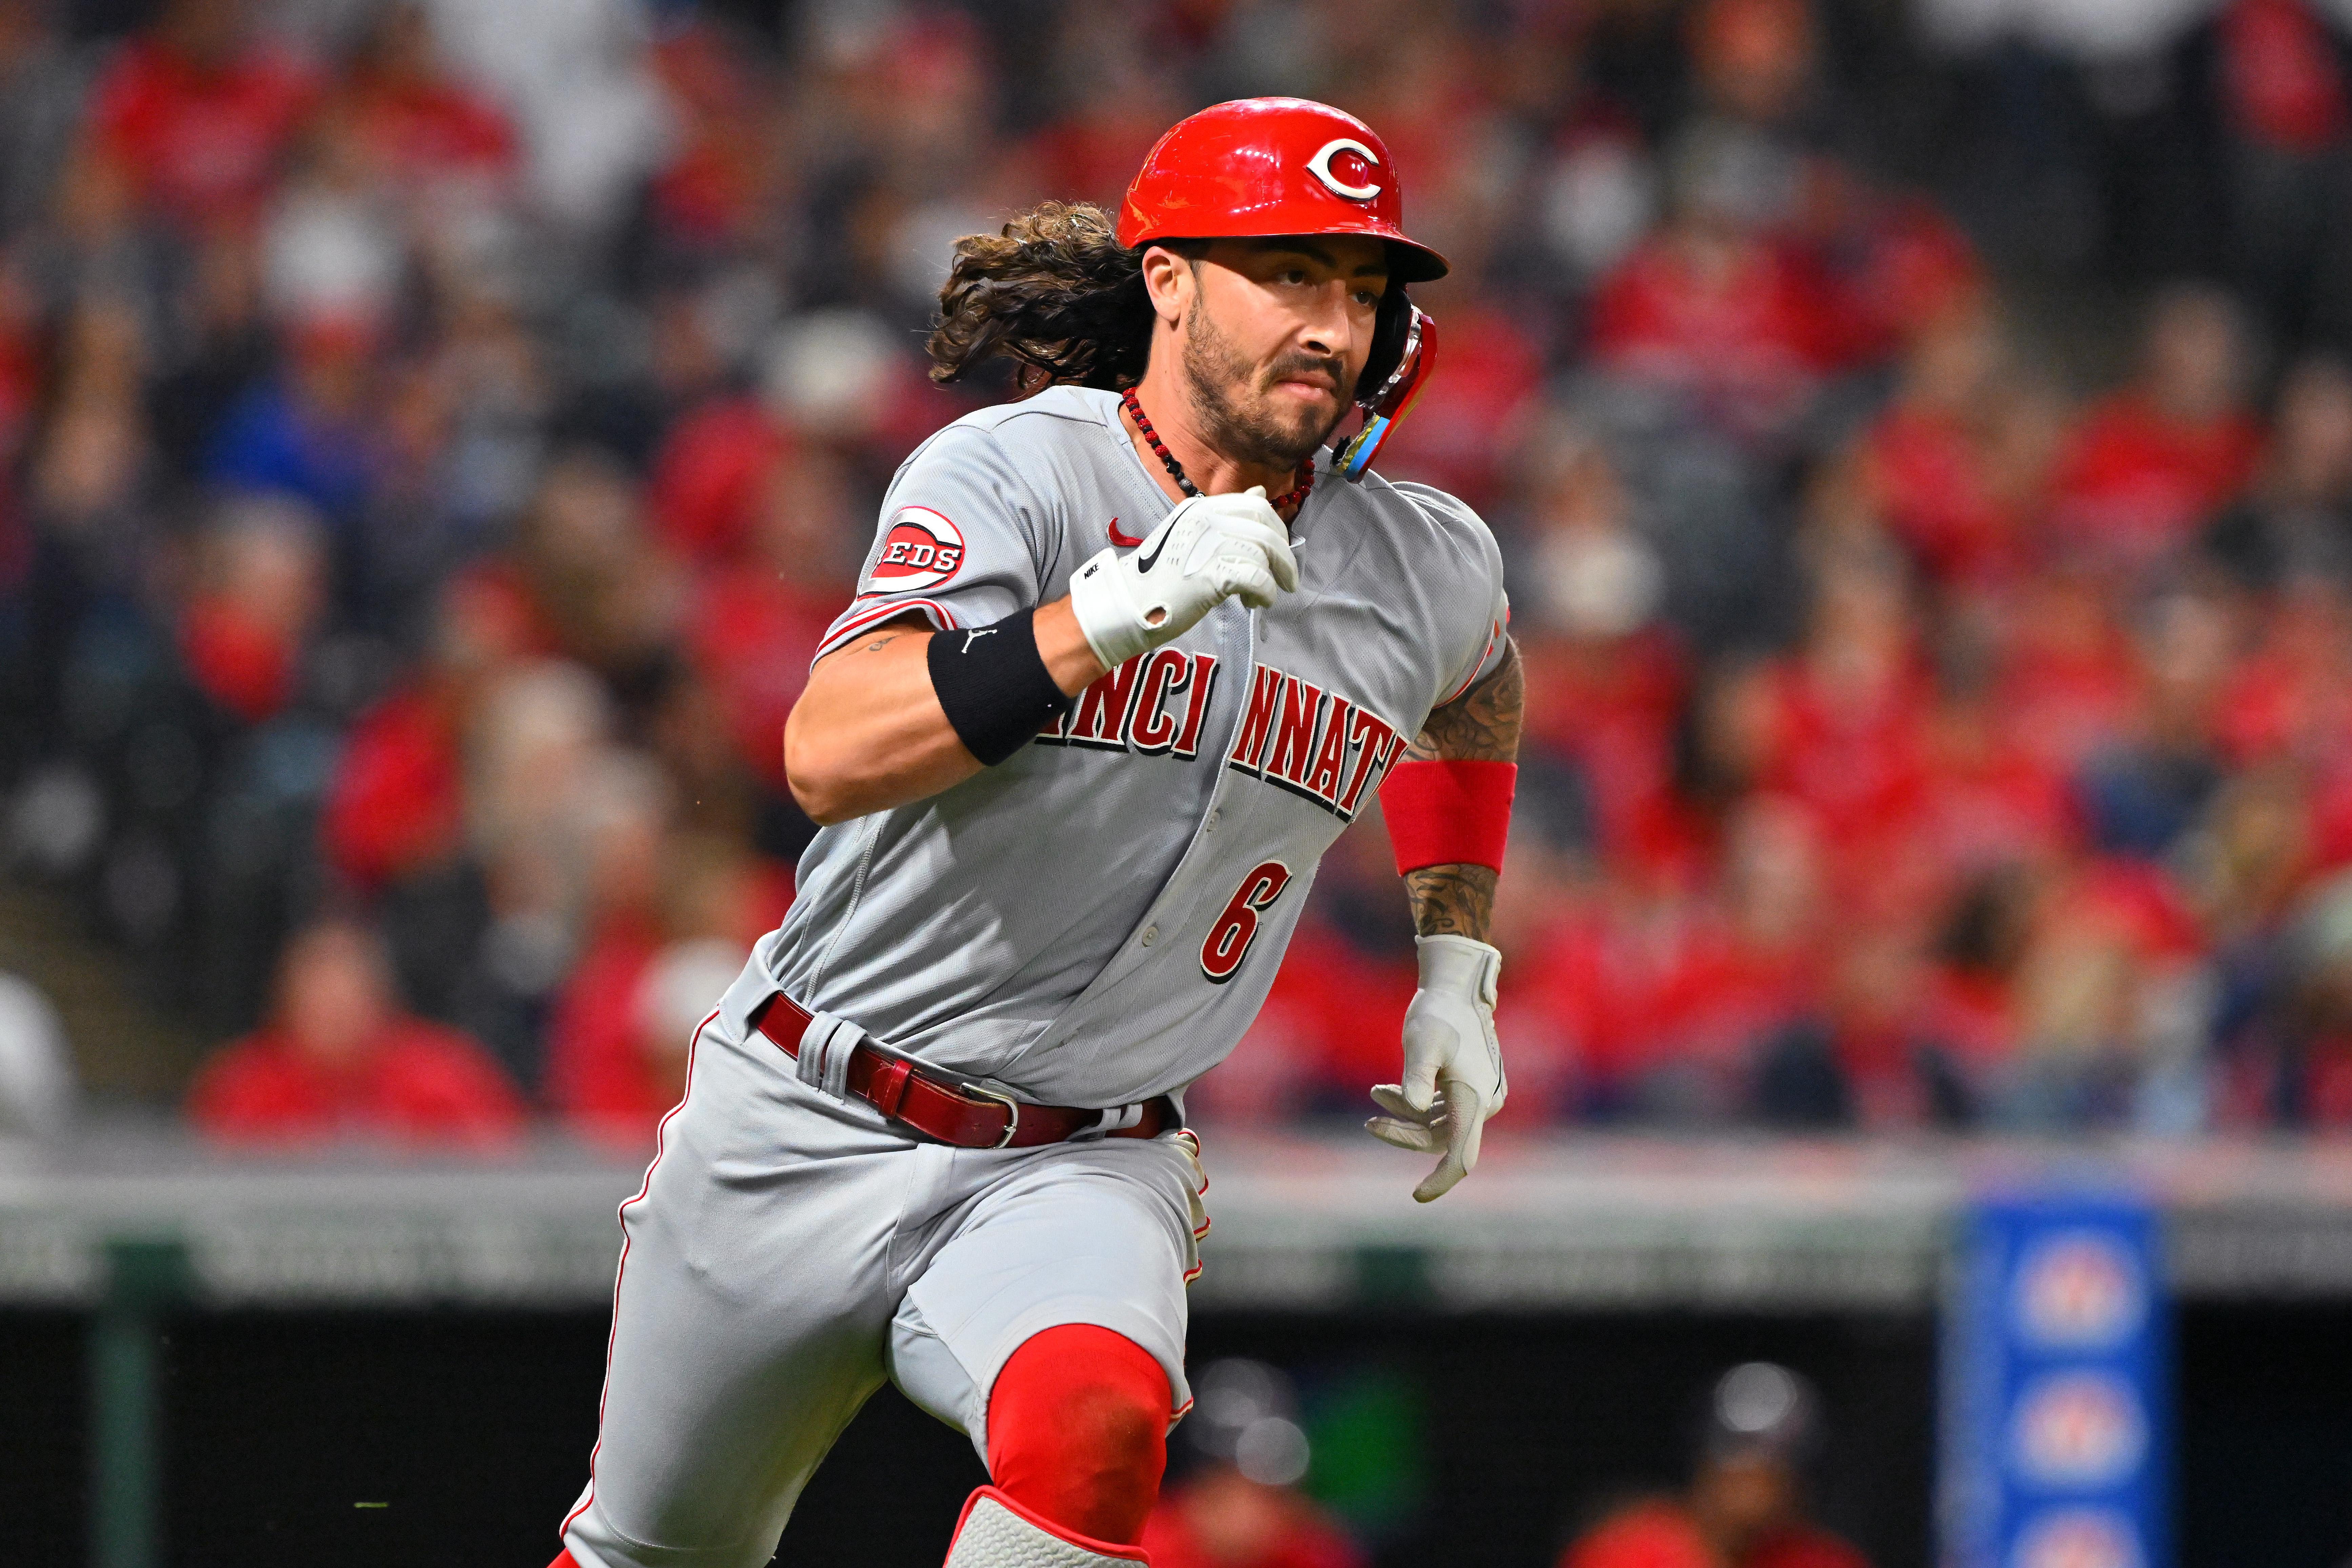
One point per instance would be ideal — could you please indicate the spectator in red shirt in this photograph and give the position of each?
(2068, 683)
(1958, 462)
(199, 111)
(727, 138)
(1745, 1505)
(1712, 309)
(1608, 679)
(1895, 265)
(1850, 732)
(2280, 93)
(2152, 461)
(713, 475)
(672, 917)
(635, 1016)
(1236, 1509)
(1989, 801)
(340, 1058)
(1734, 972)
(260, 595)
(759, 612)
(395, 804)
(2282, 76)
(1223, 1519)
(421, 131)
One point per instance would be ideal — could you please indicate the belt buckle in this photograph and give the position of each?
(1011, 1111)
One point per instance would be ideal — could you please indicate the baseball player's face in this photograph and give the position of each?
(1279, 331)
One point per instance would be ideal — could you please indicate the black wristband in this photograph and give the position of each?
(992, 684)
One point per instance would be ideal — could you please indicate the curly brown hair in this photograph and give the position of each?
(1054, 290)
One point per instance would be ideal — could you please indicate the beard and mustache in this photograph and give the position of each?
(1255, 432)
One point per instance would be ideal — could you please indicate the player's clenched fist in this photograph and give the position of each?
(1208, 549)
(1453, 1062)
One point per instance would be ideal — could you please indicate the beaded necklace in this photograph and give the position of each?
(1292, 497)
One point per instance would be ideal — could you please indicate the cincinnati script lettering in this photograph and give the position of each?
(1315, 743)
(1154, 703)
(1295, 735)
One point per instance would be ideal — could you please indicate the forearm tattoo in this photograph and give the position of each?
(1452, 901)
(1480, 725)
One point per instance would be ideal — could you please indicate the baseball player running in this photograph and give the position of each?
(1129, 653)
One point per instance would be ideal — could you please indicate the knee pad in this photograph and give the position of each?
(997, 1532)
(1077, 1431)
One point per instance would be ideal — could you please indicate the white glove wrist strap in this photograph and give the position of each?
(1109, 623)
(1460, 965)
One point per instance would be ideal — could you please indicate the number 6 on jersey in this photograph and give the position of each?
(1229, 939)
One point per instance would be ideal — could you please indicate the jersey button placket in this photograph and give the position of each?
(1150, 935)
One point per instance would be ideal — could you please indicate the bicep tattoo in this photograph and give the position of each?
(1482, 723)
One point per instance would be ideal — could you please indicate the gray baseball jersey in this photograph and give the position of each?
(1096, 920)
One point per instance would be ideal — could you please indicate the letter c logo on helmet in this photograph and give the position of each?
(1319, 166)
(1269, 166)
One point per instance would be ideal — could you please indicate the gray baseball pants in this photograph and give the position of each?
(789, 1251)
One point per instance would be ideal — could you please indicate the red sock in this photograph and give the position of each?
(564, 1560)
(1078, 1430)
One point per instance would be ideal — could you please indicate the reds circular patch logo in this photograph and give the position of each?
(922, 550)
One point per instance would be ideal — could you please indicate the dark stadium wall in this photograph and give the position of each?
(43, 1494)
(472, 1430)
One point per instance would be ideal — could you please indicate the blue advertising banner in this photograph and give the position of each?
(2056, 1438)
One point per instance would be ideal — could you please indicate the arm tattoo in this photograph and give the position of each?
(891, 630)
(1480, 725)
(1452, 901)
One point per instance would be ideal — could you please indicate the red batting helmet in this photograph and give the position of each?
(1268, 167)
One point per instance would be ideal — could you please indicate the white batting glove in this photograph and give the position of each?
(1452, 1063)
(1207, 550)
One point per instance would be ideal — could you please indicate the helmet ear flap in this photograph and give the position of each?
(1404, 352)
(1389, 325)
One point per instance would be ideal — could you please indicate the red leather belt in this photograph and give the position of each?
(952, 1111)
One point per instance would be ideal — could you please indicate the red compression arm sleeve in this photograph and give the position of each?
(1446, 812)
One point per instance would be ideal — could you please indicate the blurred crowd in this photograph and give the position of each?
(1259, 1478)
(433, 435)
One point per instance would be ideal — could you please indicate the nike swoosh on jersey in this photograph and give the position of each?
(1124, 541)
